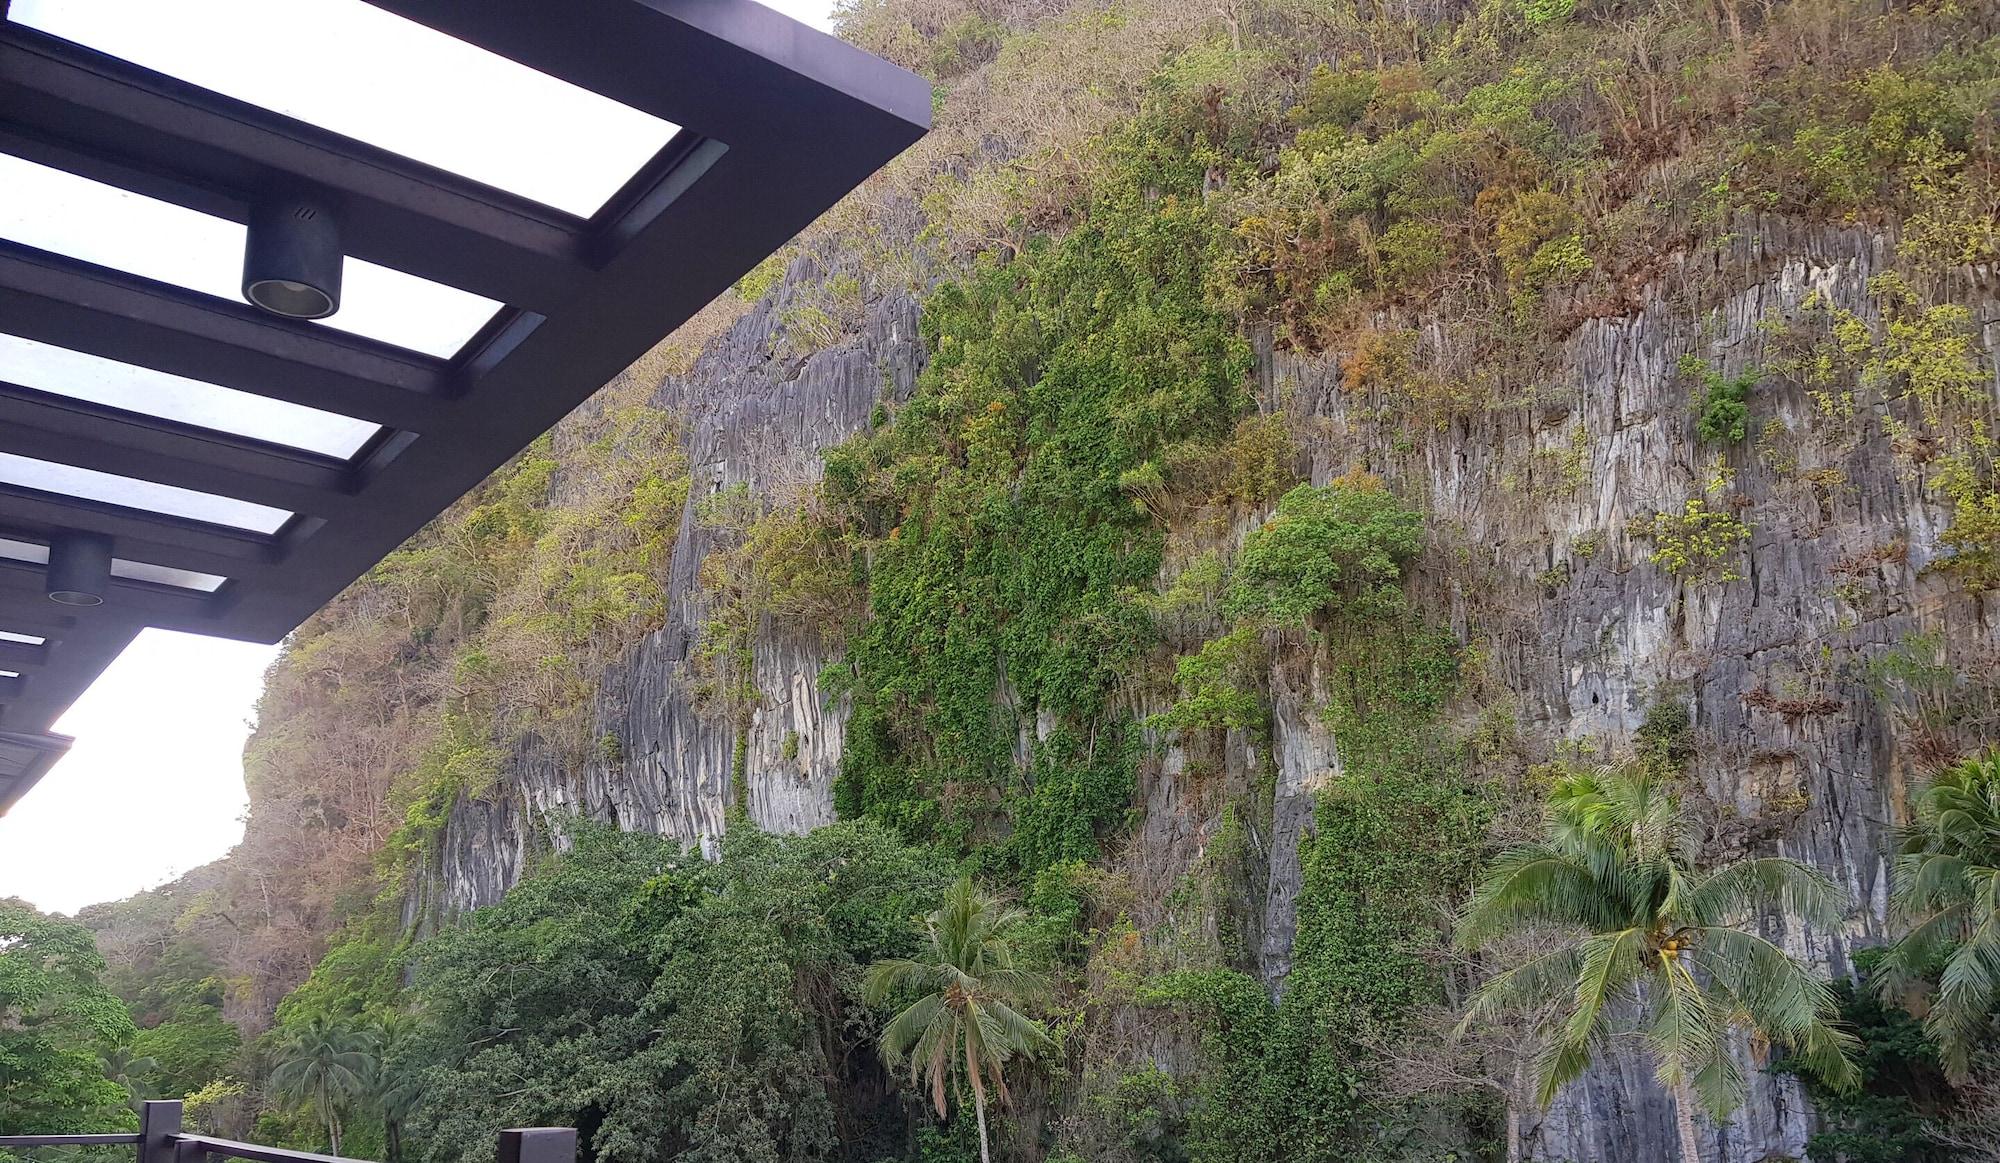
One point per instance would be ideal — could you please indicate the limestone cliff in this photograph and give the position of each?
(1533, 503)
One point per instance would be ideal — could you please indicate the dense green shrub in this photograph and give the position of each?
(1699, 545)
(1395, 842)
(1220, 683)
(669, 1007)
(1723, 412)
(189, 1050)
(57, 1024)
(1892, 1117)
(1337, 548)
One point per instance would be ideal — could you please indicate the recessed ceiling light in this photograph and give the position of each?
(79, 569)
(292, 258)
(58, 211)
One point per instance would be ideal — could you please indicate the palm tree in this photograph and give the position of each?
(392, 1084)
(1647, 946)
(135, 1074)
(324, 1064)
(1947, 881)
(964, 1025)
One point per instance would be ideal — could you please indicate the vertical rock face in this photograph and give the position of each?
(1533, 507)
(1796, 755)
(759, 418)
(1307, 759)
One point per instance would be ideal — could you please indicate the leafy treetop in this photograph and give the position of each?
(57, 1023)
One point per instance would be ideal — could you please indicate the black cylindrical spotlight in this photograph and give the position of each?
(79, 568)
(292, 260)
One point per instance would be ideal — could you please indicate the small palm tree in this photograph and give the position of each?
(965, 1023)
(1947, 881)
(135, 1074)
(1649, 947)
(326, 1065)
(392, 1084)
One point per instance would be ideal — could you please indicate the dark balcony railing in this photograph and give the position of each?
(160, 1140)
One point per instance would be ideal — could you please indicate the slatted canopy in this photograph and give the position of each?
(242, 467)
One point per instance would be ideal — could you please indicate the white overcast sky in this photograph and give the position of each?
(154, 785)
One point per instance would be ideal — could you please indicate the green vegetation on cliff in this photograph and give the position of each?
(1107, 593)
(1004, 544)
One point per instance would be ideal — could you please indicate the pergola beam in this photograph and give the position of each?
(168, 140)
(43, 619)
(133, 320)
(22, 655)
(128, 605)
(31, 755)
(140, 536)
(71, 662)
(109, 440)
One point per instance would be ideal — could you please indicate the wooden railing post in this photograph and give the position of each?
(159, 1122)
(538, 1145)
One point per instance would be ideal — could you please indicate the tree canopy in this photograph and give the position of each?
(964, 1022)
(58, 1023)
(668, 1007)
(326, 1066)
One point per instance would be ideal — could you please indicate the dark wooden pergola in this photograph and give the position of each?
(775, 122)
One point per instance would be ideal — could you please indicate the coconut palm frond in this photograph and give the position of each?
(1926, 881)
(1003, 1025)
(1926, 944)
(1559, 1064)
(1549, 977)
(1719, 1084)
(1774, 994)
(886, 979)
(1686, 1029)
(907, 1028)
(1829, 1051)
(1014, 983)
(1749, 886)
(1646, 935)
(1967, 989)
(1609, 962)
(1947, 883)
(1761, 981)
(1537, 885)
